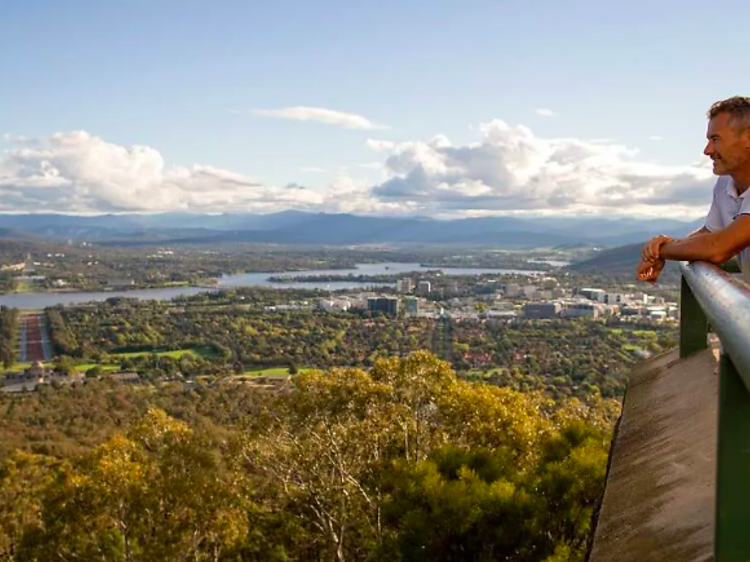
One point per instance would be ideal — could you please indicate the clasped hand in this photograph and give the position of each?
(651, 261)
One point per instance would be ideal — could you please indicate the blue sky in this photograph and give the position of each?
(186, 79)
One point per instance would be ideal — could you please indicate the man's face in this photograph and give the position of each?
(729, 150)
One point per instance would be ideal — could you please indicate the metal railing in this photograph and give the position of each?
(712, 296)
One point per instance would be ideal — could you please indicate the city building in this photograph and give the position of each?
(512, 290)
(411, 305)
(389, 305)
(529, 291)
(630, 310)
(592, 294)
(334, 305)
(36, 375)
(405, 285)
(424, 287)
(657, 313)
(541, 310)
(580, 310)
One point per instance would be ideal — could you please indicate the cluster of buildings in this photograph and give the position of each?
(374, 302)
(594, 303)
(542, 298)
(406, 285)
(38, 375)
(546, 298)
(387, 304)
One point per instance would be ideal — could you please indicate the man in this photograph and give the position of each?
(727, 229)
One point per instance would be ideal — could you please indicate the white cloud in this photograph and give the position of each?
(511, 169)
(507, 170)
(313, 170)
(380, 145)
(655, 138)
(321, 115)
(78, 172)
(545, 113)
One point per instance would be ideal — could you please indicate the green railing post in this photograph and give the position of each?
(732, 536)
(693, 323)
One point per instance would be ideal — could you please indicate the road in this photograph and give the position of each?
(442, 338)
(33, 338)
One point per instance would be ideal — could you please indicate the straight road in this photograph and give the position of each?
(34, 344)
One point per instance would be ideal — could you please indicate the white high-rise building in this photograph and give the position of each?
(404, 285)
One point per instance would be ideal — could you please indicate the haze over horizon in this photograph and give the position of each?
(447, 111)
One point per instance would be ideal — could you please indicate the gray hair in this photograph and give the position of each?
(738, 109)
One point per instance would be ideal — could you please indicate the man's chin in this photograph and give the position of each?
(719, 169)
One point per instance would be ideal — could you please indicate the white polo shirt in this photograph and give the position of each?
(725, 207)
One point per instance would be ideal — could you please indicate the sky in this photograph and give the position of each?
(440, 108)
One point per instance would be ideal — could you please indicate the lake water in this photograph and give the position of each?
(41, 300)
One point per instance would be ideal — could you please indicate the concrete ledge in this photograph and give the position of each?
(658, 505)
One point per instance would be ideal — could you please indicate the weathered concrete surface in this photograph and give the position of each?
(659, 500)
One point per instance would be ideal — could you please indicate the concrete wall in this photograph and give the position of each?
(658, 505)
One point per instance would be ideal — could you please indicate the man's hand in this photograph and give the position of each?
(649, 270)
(650, 251)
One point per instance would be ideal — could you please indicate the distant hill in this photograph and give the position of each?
(623, 260)
(296, 227)
(617, 259)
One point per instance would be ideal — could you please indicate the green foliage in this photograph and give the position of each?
(405, 462)
(213, 334)
(8, 335)
(563, 357)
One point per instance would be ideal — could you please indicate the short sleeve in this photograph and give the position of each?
(713, 219)
(745, 207)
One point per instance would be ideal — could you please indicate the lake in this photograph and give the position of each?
(28, 301)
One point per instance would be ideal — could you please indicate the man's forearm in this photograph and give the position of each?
(700, 246)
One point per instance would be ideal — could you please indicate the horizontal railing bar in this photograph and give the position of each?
(726, 302)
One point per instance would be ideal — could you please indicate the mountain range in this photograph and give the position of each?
(300, 228)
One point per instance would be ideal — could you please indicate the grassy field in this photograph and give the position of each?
(86, 366)
(24, 287)
(83, 367)
(204, 351)
(20, 366)
(273, 371)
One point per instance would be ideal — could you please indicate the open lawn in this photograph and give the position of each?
(86, 366)
(83, 367)
(272, 371)
(24, 287)
(20, 366)
(203, 351)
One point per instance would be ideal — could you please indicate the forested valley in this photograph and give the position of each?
(400, 462)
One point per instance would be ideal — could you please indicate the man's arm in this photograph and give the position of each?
(715, 247)
(651, 251)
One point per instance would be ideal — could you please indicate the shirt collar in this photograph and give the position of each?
(732, 191)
